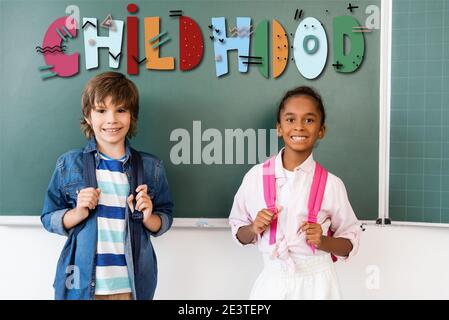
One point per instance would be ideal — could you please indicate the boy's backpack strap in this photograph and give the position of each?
(136, 180)
(90, 181)
(269, 192)
(136, 217)
(89, 175)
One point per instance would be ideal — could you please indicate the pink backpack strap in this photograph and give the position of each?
(269, 193)
(316, 194)
(316, 198)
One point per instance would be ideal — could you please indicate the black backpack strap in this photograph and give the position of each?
(90, 180)
(136, 217)
(136, 180)
(89, 175)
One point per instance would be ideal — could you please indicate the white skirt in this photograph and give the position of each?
(312, 279)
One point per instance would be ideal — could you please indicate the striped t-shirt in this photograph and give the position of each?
(111, 270)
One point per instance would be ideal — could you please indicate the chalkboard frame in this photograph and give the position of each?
(199, 221)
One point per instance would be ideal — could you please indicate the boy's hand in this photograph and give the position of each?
(87, 199)
(263, 220)
(143, 201)
(314, 233)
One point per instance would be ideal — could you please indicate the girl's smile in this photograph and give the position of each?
(297, 139)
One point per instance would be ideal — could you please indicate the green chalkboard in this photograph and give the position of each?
(419, 156)
(40, 118)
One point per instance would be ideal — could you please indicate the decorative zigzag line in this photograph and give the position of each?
(55, 46)
(244, 31)
(234, 31)
(50, 50)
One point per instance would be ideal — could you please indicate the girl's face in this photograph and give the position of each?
(300, 124)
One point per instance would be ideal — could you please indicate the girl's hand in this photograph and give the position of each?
(143, 202)
(314, 233)
(263, 220)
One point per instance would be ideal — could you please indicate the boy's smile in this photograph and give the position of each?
(300, 124)
(110, 124)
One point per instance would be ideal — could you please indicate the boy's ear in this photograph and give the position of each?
(88, 121)
(322, 132)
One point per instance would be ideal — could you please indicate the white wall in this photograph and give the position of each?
(206, 264)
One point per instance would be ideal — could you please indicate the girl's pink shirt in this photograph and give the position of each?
(292, 193)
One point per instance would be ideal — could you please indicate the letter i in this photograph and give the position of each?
(132, 30)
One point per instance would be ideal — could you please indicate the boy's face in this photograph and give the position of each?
(110, 124)
(300, 124)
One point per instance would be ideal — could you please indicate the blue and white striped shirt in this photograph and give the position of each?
(111, 270)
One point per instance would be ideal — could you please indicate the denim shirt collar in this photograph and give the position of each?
(92, 146)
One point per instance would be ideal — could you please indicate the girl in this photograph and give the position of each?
(290, 232)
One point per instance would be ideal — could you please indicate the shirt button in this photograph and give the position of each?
(92, 283)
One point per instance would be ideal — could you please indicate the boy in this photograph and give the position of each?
(97, 261)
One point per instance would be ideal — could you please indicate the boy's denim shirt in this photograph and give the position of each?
(76, 280)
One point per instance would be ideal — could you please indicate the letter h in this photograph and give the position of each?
(223, 44)
(92, 42)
